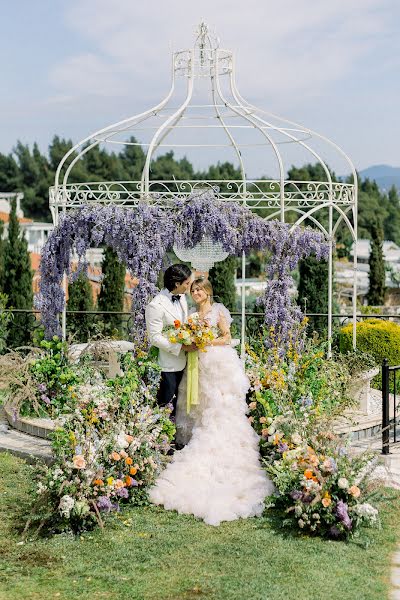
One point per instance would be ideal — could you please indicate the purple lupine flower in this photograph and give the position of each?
(123, 493)
(334, 532)
(42, 387)
(104, 503)
(45, 399)
(296, 494)
(283, 447)
(341, 512)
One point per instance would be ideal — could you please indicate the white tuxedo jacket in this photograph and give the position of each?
(160, 312)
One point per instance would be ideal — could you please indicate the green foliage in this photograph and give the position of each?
(17, 279)
(313, 291)
(111, 297)
(222, 278)
(80, 298)
(379, 338)
(5, 320)
(54, 377)
(377, 273)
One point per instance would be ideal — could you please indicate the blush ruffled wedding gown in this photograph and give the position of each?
(217, 476)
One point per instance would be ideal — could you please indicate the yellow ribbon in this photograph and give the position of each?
(192, 394)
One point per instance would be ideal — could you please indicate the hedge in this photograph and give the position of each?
(376, 336)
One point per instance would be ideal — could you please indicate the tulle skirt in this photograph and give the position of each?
(217, 476)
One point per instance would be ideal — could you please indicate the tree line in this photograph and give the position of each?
(32, 172)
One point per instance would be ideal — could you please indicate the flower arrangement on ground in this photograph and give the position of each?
(321, 488)
(293, 400)
(107, 449)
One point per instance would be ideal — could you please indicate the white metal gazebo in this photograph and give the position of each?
(205, 113)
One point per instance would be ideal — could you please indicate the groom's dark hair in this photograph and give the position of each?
(176, 274)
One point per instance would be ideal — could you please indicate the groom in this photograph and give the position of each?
(169, 305)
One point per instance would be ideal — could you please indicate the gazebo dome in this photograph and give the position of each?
(204, 114)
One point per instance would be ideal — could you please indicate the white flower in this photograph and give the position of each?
(66, 505)
(40, 488)
(343, 483)
(121, 441)
(298, 510)
(296, 439)
(366, 511)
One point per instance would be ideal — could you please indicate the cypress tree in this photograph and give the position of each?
(112, 290)
(222, 278)
(17, 280)
(2, 244)
(80, 298)
(313, 291)
(377, 274)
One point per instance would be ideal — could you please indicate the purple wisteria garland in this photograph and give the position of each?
(142, 235)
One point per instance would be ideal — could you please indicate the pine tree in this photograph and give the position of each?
(313, 291)
(112, 290)
(17, 280)
(222, 278)
(80, 298)
(377, 274)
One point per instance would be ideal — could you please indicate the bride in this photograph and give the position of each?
(217, 476)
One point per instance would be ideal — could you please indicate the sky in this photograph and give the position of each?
(72, 67)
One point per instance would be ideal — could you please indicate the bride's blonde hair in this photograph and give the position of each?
(203, 284)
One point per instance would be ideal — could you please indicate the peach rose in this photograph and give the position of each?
(326, 502)
(119, 483)
(129, 438)
(355, 491)
(253, 405)
(128, 460)
(123, 454)
(263, 419)
(79, 461)
(265, 432)
(133, 471)
(115, 456)
(250, 419)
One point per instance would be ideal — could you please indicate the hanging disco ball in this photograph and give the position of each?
(203, 255)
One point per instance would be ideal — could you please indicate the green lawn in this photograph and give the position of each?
(151, 554)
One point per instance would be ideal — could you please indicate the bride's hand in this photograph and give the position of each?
(190, 348)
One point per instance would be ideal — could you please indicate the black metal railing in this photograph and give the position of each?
(389, 422)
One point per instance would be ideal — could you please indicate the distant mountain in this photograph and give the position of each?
(384, 175)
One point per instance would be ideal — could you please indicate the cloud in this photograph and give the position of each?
(287, 47)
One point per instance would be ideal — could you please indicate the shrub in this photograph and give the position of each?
(375, 336)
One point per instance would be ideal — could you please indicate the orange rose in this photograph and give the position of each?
(115, 456)
(129, 438)
(129, 461)
(326, 502)
(79, 461)
(128, 481)
(119, 483)
(308, 474)
(98, 482)
(355, 491)
(177, 324)
(133, 470)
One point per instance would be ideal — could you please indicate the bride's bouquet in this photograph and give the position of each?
(196, 331)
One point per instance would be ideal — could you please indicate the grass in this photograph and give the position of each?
(151, 554)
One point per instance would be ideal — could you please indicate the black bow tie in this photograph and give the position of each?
(176, 298)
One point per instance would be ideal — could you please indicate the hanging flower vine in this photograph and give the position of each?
(142, 235)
